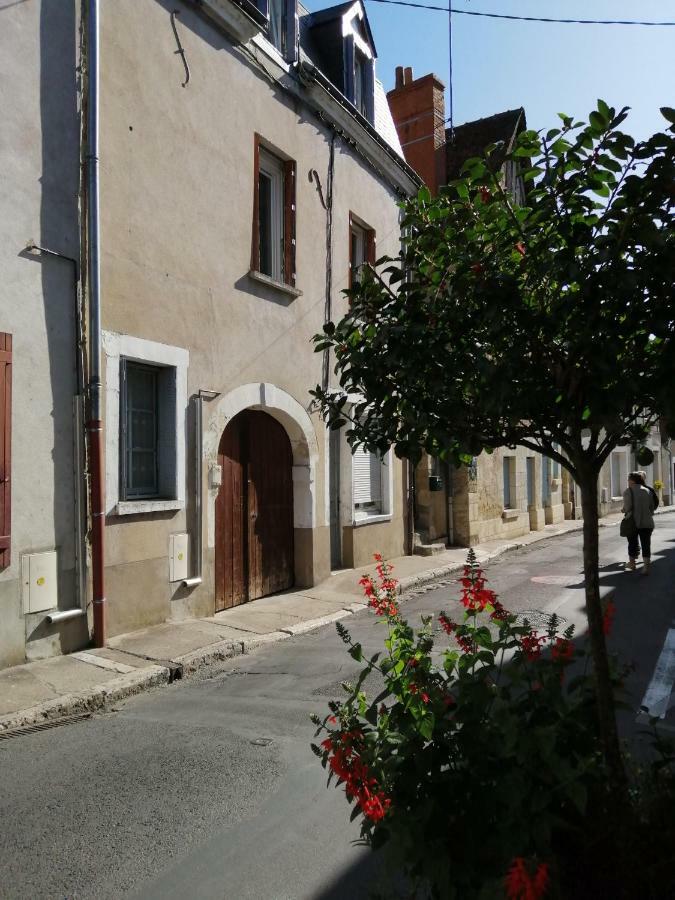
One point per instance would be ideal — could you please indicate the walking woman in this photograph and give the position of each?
(638, 506)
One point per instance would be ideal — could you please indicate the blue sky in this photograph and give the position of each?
(546, 68)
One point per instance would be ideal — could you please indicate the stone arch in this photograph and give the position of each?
(298, 426)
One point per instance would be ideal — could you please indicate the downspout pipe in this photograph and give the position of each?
(95, 420)
(196, 578)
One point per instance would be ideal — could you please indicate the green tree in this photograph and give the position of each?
(548, 325)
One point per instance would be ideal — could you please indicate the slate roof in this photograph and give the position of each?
(383, 121)
(471, 138)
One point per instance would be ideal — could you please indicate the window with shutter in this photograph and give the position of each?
(5, 448)
(361, 248)
(273, 245)
(367, 482)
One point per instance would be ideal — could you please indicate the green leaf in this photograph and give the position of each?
(586, 414)
(356, 652)
(597, 121)
(604, 110)
(668, 113)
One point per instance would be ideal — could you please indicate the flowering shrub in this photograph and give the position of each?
(473, 756)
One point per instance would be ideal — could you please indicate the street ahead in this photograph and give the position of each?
(208, 789)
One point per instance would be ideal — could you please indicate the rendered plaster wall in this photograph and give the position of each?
(177, 203)
(39, 179)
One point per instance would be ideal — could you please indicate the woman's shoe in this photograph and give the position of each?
(630, 565)
(646, 568)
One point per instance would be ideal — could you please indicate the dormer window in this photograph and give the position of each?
(359, 62)
(346, 53)
(277, 26)
(281, 26)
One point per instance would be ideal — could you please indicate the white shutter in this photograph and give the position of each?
(366, 478)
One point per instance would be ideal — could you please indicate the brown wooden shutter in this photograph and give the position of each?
(289, 222)
(5, 448)
(255, 235)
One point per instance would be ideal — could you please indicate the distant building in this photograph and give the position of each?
(509, 492)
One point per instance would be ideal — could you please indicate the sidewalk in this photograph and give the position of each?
(90, 680)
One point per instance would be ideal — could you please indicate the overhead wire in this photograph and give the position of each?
(514, 18)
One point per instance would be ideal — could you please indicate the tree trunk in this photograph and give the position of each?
(588, 483)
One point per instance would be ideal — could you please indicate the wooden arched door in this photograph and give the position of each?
(254, 510)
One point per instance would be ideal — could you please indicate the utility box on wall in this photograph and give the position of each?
(178, 556)
(39, 578)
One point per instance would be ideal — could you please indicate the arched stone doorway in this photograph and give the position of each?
(254, 510)
(294, 421)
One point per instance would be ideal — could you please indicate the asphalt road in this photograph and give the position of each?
(207, 788)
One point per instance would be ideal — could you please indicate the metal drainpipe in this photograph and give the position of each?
(196, 578)
(95, 422)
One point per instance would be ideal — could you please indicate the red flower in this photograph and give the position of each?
(484, 194)
(563, 650)
(377, 557)
(531, 645)
(498, 613)
(477, 268)
(520, 885)
(425, 697)
(448, 626)
(520, 247)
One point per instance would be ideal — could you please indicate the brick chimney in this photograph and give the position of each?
(418, 109)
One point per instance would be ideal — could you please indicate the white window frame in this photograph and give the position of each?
(117, 346)
(273, 168)
(366, 516)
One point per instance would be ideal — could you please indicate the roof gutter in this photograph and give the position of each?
(377, 151)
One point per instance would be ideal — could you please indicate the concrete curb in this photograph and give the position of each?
(87, 701)
(195, 659)
(188, 663)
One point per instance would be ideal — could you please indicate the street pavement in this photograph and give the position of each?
(207, 788)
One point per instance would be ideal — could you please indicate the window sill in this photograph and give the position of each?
(137, 507)
(372, 519)
(273, 283)
(509, 515)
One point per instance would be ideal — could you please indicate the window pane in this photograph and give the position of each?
(141, 431)
(271, 215)
(265, 221)
(277, 11)
(507, 482)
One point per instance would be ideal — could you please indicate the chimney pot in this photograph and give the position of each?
(399, 77)
(408, 75)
